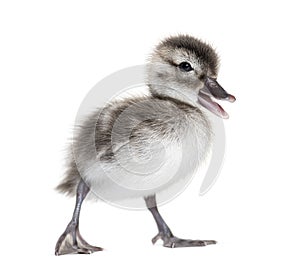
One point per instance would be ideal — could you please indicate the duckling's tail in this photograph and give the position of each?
(69, 183)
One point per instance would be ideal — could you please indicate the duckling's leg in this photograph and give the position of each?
(164, 232)
(71, 240)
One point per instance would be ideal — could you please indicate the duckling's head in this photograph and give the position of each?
(185, 68)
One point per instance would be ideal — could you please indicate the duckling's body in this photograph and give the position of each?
(140, 147)
(169, 125)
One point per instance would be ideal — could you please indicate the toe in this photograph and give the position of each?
(210, 242)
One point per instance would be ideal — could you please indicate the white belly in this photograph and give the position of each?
(162, 167)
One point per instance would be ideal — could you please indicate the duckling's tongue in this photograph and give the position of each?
(212, 106)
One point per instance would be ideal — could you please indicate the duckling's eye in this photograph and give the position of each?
(185, 66)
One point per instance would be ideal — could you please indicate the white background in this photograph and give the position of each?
(52, 54)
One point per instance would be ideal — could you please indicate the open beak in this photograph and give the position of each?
(212, 89)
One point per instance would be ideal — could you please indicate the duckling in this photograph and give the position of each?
(172, 118)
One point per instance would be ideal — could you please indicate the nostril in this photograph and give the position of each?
(202, 77)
